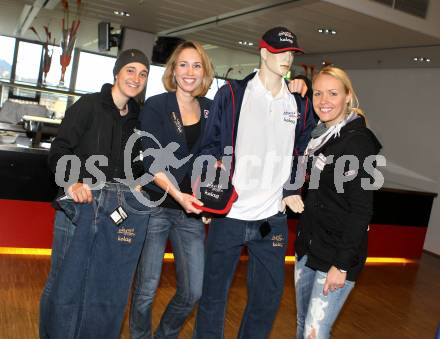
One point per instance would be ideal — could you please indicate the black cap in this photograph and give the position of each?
(128, 56)
(280, 39)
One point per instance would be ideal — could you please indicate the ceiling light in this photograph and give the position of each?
(121, 13)
(422, 59)
(327, 31)
(245, 43)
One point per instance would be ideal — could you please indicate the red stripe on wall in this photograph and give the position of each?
(396, 241)
(392, 241)
(26, 224)
(29, 224)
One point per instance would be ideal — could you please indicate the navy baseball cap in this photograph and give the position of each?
(280, 39)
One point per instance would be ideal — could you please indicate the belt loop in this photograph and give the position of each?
(119, 193)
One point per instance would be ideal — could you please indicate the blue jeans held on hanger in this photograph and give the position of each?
(62, 236)
(265, 276)
(314, 309)
(90, 291)
(187, 236)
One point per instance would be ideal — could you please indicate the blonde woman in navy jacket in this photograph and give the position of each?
(177, 116)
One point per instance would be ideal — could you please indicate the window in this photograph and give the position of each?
(28, 62)
(154, 84)
(414, 7)
(6, 56)
(55, 103)
(94, 70)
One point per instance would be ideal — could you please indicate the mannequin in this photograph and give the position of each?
(274, 66)
(264, 140)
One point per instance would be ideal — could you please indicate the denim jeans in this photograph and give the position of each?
(187, 236)
(314, 309)
(62, 236)
(88, 294)
(265, 275)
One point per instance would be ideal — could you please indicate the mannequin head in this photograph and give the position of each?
(277, 48)
(276, 63)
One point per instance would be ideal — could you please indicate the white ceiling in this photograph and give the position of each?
(223, 23)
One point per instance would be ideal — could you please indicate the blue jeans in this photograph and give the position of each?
(187, 236)
(62, 236)
(315, 311)
(265, 276)
(89, 292)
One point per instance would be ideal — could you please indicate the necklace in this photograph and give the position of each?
(123, 110)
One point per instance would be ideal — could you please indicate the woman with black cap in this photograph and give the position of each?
(99, 224)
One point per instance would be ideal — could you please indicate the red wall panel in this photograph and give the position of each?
(28, 224)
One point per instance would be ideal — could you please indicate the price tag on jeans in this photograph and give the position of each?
(118, 215)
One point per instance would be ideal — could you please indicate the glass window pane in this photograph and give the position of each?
(416, 7)
(154, 84)
(54, 74)
(385, 2)
(56, 104)
(28, 62)
(6, 56)
(24, 93)
(94, 70)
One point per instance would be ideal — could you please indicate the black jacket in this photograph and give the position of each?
(160, 116)
(333, 229)
(94, 126)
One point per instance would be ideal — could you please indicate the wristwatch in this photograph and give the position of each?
(342, 271)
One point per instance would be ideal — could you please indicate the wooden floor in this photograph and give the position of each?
(393, 301)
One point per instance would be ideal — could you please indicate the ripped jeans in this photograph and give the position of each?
(315, 311)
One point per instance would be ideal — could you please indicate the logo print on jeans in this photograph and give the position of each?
(126, 235)
(277, 240)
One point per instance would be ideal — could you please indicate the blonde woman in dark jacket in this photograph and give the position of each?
(332, 234)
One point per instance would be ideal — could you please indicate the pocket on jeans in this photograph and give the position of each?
(279, 215)
(134, 204)
(70, 208)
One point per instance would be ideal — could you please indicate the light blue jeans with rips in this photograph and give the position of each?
(316, 312)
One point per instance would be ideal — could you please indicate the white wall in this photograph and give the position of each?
(403, 109)
(143, 41)
(240, 62)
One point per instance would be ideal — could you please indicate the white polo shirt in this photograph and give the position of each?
(263, 150)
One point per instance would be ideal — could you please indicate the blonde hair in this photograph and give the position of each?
(168, 79)
(342, 76)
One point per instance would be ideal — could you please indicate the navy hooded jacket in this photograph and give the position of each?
(221, 126)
